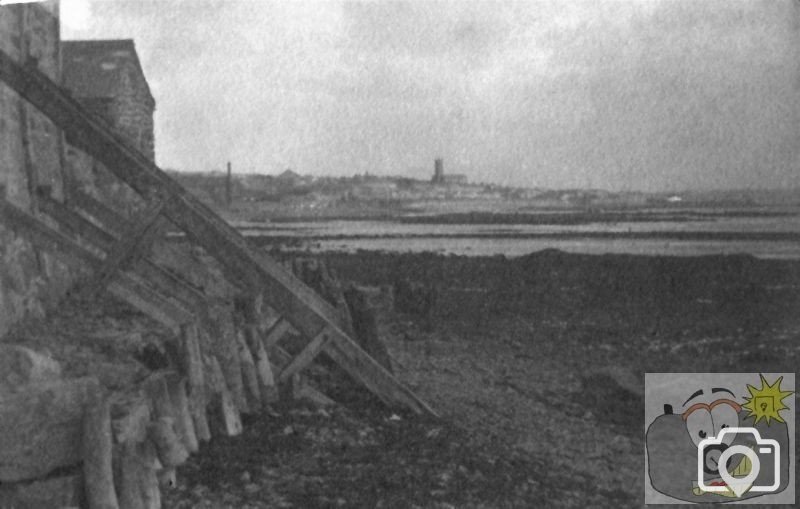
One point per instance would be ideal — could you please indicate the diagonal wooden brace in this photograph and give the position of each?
(135, 241)
(103, 241)
(128, 287)
(276, 332)
(281, 358)
(245, 265)
(308, 354)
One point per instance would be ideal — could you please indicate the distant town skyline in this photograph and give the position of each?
(650, 95)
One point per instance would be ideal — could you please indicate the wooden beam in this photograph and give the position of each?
(102, 241)
(281, 359)
(276, 332)
(249, 267)
(136, 292)
(125, 286)
(76, 224)
(99, 211)
(134, 241)
(105, 223)
(304, 358)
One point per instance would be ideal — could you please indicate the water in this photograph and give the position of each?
(520, 239)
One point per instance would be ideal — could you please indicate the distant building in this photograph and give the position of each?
(455, 178)
(289, 178)
(439, 177)
(107, 78)
(438, 171)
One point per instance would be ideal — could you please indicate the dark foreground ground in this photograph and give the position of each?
(536, 365)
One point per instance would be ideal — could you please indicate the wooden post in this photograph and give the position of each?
(98, 472)
(169, 448)
(150, 465)
(365, 326)
(226, 351)
(249, 376)
(184, 425)
(228, 187)
(194, 372)
(252, 319)
(155, 386)
(161, 430)
(130, 477)
(269, 391)
(225, 414)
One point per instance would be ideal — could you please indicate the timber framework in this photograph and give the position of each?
(117, 250)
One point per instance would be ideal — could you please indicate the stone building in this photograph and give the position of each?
(440, 177)
(107, 78)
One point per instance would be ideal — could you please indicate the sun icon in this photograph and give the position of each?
(766, 403)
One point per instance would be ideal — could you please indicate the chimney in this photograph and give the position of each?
(438, 170)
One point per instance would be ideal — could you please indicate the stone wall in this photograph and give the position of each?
(132, 111)
(30, 155)
(33, 153)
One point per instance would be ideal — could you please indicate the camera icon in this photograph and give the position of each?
(715, 454)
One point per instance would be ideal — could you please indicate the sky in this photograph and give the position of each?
(651, 95)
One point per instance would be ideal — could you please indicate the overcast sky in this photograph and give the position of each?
(647, 94)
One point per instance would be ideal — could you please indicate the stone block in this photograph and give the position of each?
(42, 427)
(20, 366)
(56, 492)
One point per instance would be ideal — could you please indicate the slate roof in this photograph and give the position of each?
(289, 175)
(91, 68)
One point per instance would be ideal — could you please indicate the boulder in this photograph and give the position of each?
(64, 491)
(42, 427)
(20, 365)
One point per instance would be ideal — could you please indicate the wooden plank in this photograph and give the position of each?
(97, 444)
(125, 286)
(306, 356)
(250, 268)
(135, 240)
(97, 238)
(98, 211)
(282, 358)
(43, 236)
(76, 224)
(135, 291)
(276, 332)
(371, 374)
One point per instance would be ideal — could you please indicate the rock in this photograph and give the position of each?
(58, 492)
(171, 451)
(130, 417)
(20, 366)
(167, 478)
(42, 427)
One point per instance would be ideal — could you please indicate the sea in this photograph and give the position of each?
(776, 237)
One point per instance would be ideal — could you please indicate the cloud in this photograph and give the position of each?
(621, 94)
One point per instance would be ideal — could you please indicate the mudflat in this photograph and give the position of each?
(537, 365)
